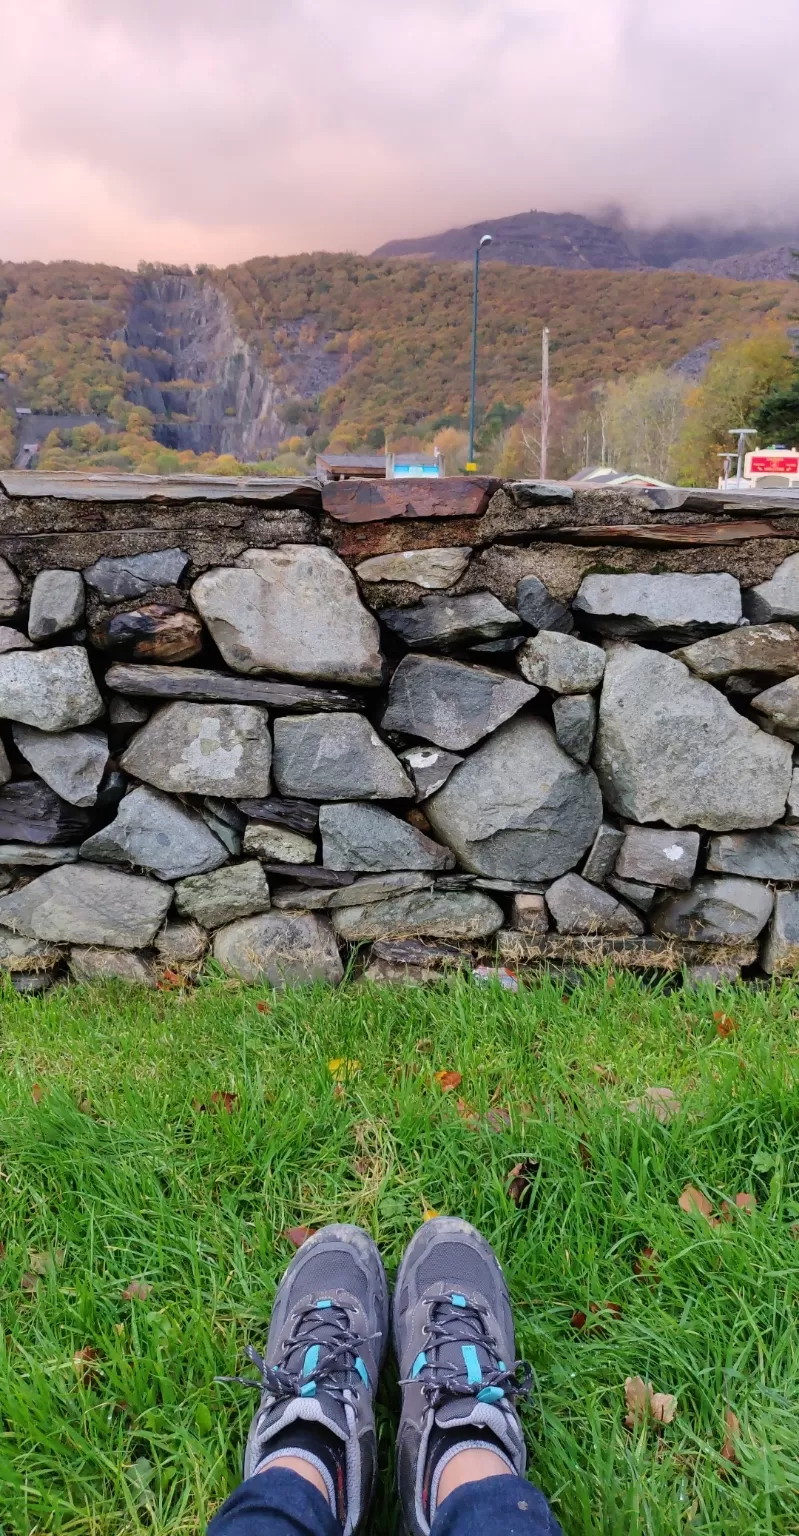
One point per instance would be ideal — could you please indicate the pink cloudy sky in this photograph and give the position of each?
(218, 129)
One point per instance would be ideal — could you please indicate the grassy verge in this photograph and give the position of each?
(112, 1171)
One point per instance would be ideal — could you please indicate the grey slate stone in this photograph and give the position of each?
(223, 895)
(449, 623)
(281, 845)
(780, 705)
(777, 598)
(53, 690)
(90, 964)
(435, 569)
(449, 703)
(656, 857)
(603, 854)
(71, 762)
(379, 888)
(154, 832)
(369, 838)
(579, 907)
(538, 608)
(57, 603)
(295, 610)
(792, 810)
(675, 608)
(31, 812)
(770, 648)
(671, 748)
(716, 911)
(561, 662)
(575, 717)
(229, 836)
(298, 815)
(203, 749)
(711, 975)
(638, 895)
(529, 914)
(769, 854)
(780, 953)
(299, 898)
(283, 949)
(84, 904)
(133, 575)
(429, 768)
(34, 856)
(13, 640)
(341, 757)
(127, 712)
(26, 954)
(10, 591)
(421, 914)
(518, 808)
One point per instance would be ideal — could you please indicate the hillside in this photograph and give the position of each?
(178, 368)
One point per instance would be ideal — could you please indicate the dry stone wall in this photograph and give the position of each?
(287, 725)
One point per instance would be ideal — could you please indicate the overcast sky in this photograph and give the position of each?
(192, 130)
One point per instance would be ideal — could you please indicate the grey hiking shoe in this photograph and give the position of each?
(454, 1340)
(327, 1341)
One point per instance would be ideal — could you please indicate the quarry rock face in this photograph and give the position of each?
(518, 808)
(670, 748)
(53, 690)
(449, 704)
(675, 608)
(293, 610)
(204, 749)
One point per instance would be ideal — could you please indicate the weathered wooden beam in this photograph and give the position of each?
(376, 501)
(154, 682)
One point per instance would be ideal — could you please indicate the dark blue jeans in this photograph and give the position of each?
(280, 1503)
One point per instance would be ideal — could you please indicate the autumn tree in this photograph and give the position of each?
(738, 379)
(643, 419)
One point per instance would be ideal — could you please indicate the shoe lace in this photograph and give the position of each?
(335, 1370)
(441, 1378)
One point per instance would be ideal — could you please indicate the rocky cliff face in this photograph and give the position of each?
(198, 376)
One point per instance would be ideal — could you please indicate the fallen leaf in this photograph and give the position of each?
(578, 1320)
(430, 1214)
(298, 1235)
(467, 1114)
(2, 1252)
(424, 1047)
(339, 1091)
(733, 1429)
(85, 1366)
(520, 1182)
(584, 1153)
(794, 1231)
(644, 1266)
(725, 1026)
(498, 1119)
(226, 1101)
(746, 1202)
(605, 1074)
(84, 1107)
(263, 1007)
(29, 1281)
(660, 1102)
(341, 1069)
(448, 1080)
(138, 1290)
(644, 1402)
(606, 1306)
(692, 1201)
(37, 1093)
(42, 1263)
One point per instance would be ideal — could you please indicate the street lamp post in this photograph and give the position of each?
(486, 240)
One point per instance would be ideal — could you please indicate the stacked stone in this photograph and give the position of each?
(265, 760)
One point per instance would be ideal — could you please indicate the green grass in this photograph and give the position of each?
(114, 1166)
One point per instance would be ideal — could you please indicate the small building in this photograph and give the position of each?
(351, 466)
(23, 410)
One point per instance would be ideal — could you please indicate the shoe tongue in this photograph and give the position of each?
(321, 1409)
(466, 1355)
(460, 1412)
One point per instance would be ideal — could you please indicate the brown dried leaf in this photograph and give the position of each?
(37, 1093)
(2, 1253)
(644, 1266)
(42, 1263)
(448, 1081)
(578, 1320)
(85, 1367)
(693, 1202)
(660, 1102)
(746, 1203)
(226, 1101)
(725, 1026)
(606, 1306)
(584, 1153)
(29, 1281)
(605, 1074)
(520, 1182)
(138, 1290)
(498, 1119)
(298, 1235)
(733, 1428)
(663, 1405)
(644, 1402)
(263, 1007)
(467, 1114)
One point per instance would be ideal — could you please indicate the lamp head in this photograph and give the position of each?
(486, 240)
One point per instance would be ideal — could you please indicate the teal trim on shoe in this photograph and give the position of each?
(418, 1365)
(362, 1371)
(490, 1395)
(474, 1374)
(458, 1301)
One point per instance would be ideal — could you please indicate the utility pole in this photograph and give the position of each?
(544, 404)
(742, 433)
(486, 240)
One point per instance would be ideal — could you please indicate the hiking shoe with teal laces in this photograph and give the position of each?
(454, 1340)
(327, 1341)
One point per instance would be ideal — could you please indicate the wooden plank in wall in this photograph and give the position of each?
(70, 486)
(376, 501)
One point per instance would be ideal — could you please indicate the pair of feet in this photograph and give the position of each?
(328, 1338)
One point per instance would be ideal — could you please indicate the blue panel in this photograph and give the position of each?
(418, 1365)
(470, 1360)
